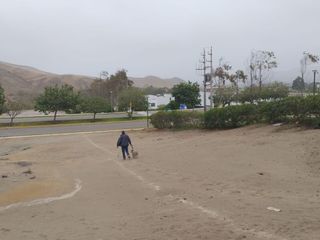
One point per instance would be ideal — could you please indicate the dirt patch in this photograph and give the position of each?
(28, 191)
(23, 163)
(253, 183)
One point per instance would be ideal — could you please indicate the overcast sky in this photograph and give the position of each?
(154, 37)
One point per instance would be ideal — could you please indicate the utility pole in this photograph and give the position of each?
(260, 76)
(203, 68)
(147, 111)
(314, 81)
(111, 101)
(210, 54)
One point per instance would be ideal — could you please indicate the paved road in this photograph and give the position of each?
(56, 129)
(4, 118)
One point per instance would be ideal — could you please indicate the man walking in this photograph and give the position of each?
(123, 142)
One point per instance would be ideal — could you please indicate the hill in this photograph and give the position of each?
(23, 83)
(155, 82)
(23, 80)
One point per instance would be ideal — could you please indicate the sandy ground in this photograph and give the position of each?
(184, 185)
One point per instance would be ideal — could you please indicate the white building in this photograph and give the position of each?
(157, 100)
(207, 97)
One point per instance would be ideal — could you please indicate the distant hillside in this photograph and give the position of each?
(24, 83)
(155, 82)
(17, 80)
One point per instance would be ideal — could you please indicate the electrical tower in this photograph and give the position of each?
(207, 76)
(210, 61)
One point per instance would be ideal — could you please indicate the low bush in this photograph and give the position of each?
(311, 122)
(304, 111)
(312, 105)
(161, 120)
(231, 116)
(272, 112)
(172, 105)
(273, 91)
(177, 119)
(291, 109)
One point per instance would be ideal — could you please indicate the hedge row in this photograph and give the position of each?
(231, 116)
(302, 110)
(177, 119)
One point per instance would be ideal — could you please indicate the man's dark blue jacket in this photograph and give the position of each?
(123, 140)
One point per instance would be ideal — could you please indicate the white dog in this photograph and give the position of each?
(134, 153)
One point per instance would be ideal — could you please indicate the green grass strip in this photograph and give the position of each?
(71, 122)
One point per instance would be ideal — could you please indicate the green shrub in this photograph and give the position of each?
(311, 108)
(292, 109)
(161, 120)
(273, 112)
(216, 118)
(172, 105)
(305, 111)
(162, 107)
(249, 94)
(311, 122)
(177, 119)
(272, 91)
(312, 105)
(231, 116)
(248, 114)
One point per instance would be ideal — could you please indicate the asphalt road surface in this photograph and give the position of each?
(64, 117)
(56, 129)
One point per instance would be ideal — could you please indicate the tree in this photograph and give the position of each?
(13, 109)
(249, 94)
(239, 76)
(151, 90)
(95, 105)
(267, 92)
(56, 99)
(187, 93)
(109, 87)
(172, 105)
(260, 63)
(298, 84)
(275, 90)
(2, 100)
(132, 99)
(225, 96)
(223, 74)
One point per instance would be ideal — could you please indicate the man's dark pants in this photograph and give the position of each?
(125, 151)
